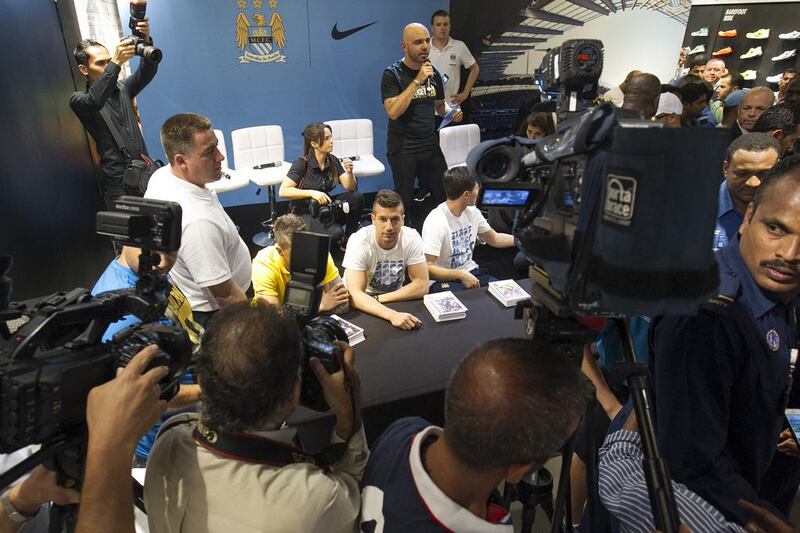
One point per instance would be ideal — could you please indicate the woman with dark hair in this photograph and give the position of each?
(537, 125)
(316, 173)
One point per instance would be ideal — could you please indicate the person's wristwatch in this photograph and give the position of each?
(415, 81)
(12, 512)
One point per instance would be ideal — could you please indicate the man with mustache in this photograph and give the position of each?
(721, 378)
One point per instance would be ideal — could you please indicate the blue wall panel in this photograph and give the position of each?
(321, 78)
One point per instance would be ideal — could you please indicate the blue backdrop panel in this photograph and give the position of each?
(312, 76)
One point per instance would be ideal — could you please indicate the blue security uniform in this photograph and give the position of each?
(728, 218)
(721, 381)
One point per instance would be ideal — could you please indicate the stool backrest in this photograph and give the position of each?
(351, 136)
(457, 141)
(256, 146)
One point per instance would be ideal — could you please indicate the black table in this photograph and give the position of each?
(396, 365)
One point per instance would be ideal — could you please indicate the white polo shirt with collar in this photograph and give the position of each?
(211, 251)
(449, 60)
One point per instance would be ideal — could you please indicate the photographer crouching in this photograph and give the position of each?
(235, 467)
(106, 111)
(314, 175)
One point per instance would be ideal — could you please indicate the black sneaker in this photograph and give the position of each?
(421, 194)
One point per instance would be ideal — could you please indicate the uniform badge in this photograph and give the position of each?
(452, 57)
(773, 340)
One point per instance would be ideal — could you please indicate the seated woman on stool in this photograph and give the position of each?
(315, 174)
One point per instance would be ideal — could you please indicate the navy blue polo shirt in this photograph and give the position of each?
(728, 218)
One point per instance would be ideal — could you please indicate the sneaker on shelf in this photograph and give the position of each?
(723, 52)
(774, 79)
(421, 194)
(697, 49)
(788, 54)
(749, 75)
(791, 36)
(727, 33)
(763, 33)
(753, 52)
(702, 32)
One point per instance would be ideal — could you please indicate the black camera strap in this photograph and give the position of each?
(123, 146)
(261, 450)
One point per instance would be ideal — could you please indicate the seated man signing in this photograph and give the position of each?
(448, 235)
(271, 270)
(376, 261)
(510, 405)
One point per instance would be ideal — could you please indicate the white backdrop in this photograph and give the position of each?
(633, 39)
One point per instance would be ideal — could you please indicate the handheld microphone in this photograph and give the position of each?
(267, 165)
(350, 157)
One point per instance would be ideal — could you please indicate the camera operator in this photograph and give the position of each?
(118, 413)
(509, 406)
(316, 173)
(104, 94)
(641, 98)
(249, 371)
(271, 270)
(122, 273)
(721, 378)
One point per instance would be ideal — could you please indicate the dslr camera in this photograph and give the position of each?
(51, 349)
(327, 213)
(303, 294)
(143, 47)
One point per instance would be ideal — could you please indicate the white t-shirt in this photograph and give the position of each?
(449, 60)
(452, 238)
(211, 251)
(386, 269)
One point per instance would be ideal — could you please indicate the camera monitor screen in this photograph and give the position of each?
(505, 197)
(793, 416)
(299, 297)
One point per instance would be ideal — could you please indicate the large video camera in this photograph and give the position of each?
(143, 48)
(52, 354)
(303, 293)
(618, 220)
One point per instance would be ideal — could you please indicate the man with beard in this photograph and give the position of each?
(411, 89)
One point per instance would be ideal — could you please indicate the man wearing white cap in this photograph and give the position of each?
(669, 110)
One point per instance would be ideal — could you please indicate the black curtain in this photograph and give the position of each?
(48, 183)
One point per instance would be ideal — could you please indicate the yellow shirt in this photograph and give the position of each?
(270, 277)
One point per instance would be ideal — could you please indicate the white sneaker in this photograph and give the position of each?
(763, 33)
(791, 36)
(786, 55)
(703, 32)
(697, 49)
(749, 75)
(753, 52)
(774, 79)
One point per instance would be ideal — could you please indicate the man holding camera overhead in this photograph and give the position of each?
(236, 467)
(109, 101)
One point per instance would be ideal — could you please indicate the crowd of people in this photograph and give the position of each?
(223, 457)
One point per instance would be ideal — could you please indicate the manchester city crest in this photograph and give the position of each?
(260, 40)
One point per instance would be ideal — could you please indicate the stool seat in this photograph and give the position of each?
(266, 177)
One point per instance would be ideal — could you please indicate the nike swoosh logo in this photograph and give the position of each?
(337, 35)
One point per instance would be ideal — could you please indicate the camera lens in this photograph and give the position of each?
(498, 164)
(150, 53)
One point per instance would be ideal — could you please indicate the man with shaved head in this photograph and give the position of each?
(411, 89)
(510, 405)
(616, 95)
(641, 97)
(753, 104)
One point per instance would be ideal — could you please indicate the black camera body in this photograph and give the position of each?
(51, 349)
(327, 213)
(308, 265)
(143, 47)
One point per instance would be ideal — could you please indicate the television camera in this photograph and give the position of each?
(616, 218)
(52, 354)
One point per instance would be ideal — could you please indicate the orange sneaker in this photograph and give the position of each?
(723, 52)
(728, 33)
